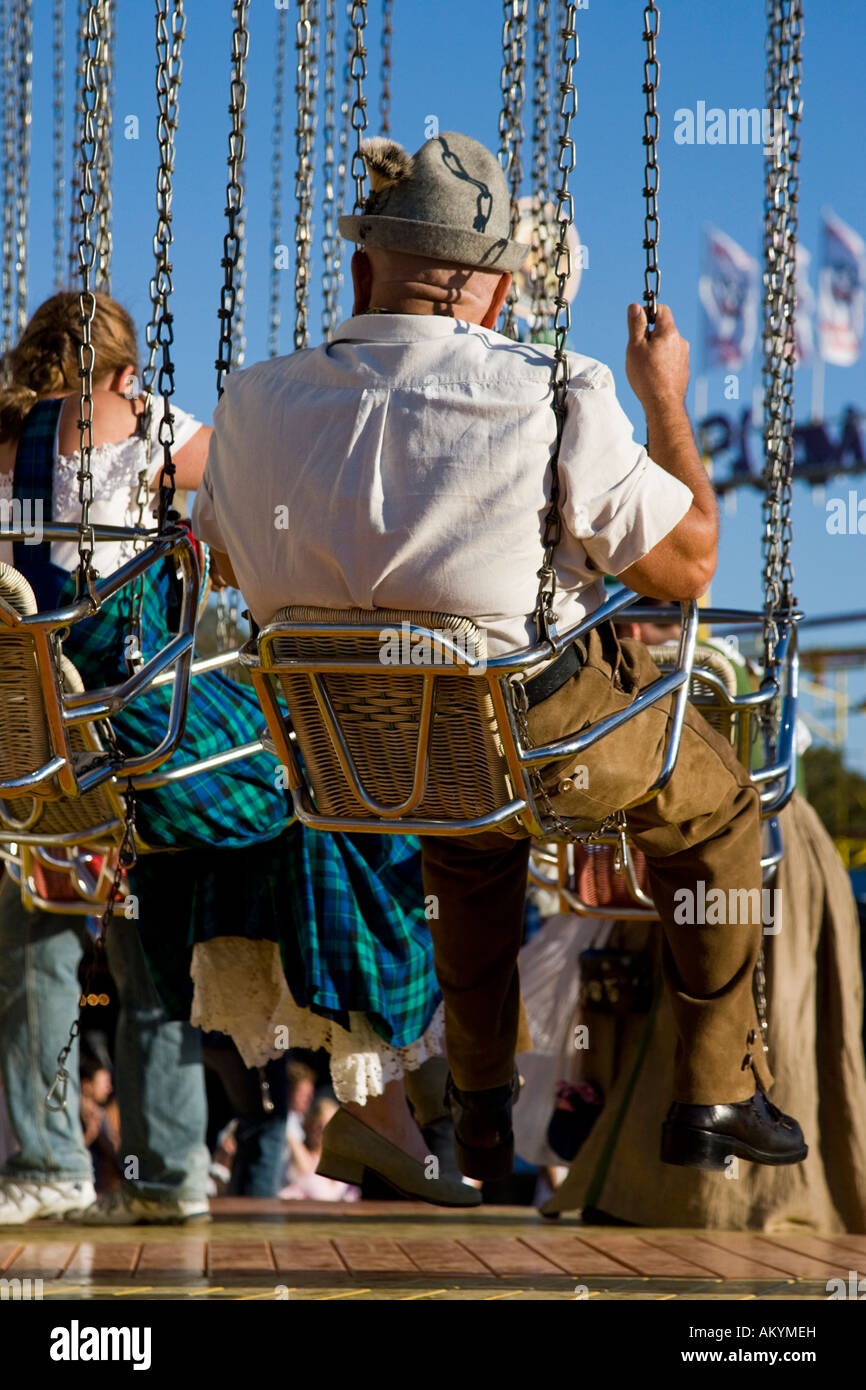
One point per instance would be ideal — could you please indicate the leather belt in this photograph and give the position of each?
(554, 676)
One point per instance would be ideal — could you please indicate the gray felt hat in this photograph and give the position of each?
(450, 201)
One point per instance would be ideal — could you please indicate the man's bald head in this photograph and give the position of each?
(400, 283)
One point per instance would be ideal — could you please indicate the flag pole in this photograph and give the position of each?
(702, 392)
(818, 367)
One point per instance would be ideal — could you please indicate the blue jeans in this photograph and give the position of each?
(159, 1075)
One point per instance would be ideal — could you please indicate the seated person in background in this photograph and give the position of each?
(413, 454)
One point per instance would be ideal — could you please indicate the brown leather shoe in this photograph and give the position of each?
(350, 1149)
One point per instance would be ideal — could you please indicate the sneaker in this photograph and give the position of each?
(23, 1201)
(123, 1208)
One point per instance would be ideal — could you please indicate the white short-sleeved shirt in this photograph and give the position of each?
(405, 464)
(115, 468)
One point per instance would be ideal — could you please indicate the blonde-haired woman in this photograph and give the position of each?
(345, 916)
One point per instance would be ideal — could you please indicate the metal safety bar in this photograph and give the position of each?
(65, 710)
(448, 660)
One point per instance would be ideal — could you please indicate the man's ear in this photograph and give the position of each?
(500, 294)
(362, 279)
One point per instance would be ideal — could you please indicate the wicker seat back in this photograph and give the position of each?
(380, 717)
(24, 737)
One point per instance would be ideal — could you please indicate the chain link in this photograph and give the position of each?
(86, 300)
(7, 15)
(358, 74)
(545, 618)
(125, 858)
(77, 127)
(58, 134)
(103, 147)
(23, 39)
(330, 237)
(652, 274)
(513, 85)
(169, 72)
(783, 68)
(232, 241)
(542, 235)
(306, 89)
(275, 272)
(332, 275)
(385, 92)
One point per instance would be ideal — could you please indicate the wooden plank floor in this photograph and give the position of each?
(401, 1250)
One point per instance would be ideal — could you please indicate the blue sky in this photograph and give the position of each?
(447, 63)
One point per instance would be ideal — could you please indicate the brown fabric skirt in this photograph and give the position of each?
(815, 1010)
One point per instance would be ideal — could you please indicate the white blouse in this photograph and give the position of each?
(115, 468)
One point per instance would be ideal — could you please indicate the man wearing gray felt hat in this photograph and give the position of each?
(413, 450)
(449, 202)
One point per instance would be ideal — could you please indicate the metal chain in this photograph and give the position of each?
(385, 93)
(58, 172)
(168, 80)
(234, 190)
(103, 148)
(23, 39)
(545, 618)
(239, 337)
(169, 72)
(305, 132)
(358, 73)
(513, 88)
(784, 31)
(330, 237)
(542, 238)
(275, 279)
(9, 170)
(652, 274)
(544, 613)
(126, 858)
(77, 126)
(332, 274)
(760, 992)
(86, 299)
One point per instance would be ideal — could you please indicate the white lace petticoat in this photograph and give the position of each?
(240, 989)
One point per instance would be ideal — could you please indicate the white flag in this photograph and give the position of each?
(841, 293)
(804, 336)
(729, 296)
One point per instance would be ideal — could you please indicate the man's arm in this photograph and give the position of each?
(222, 574)
(682, 564)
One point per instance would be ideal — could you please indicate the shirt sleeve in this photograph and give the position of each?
(205, 526)
(617, 501)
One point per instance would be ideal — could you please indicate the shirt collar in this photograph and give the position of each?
(405, 328)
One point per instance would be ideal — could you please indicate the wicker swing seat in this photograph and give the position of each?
(62, 814)
(403, 727)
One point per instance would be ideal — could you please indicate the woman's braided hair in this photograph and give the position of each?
(44, 361)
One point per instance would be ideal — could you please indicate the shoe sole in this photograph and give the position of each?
(701, 1148)
(485, 1165)
(354, 1174)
